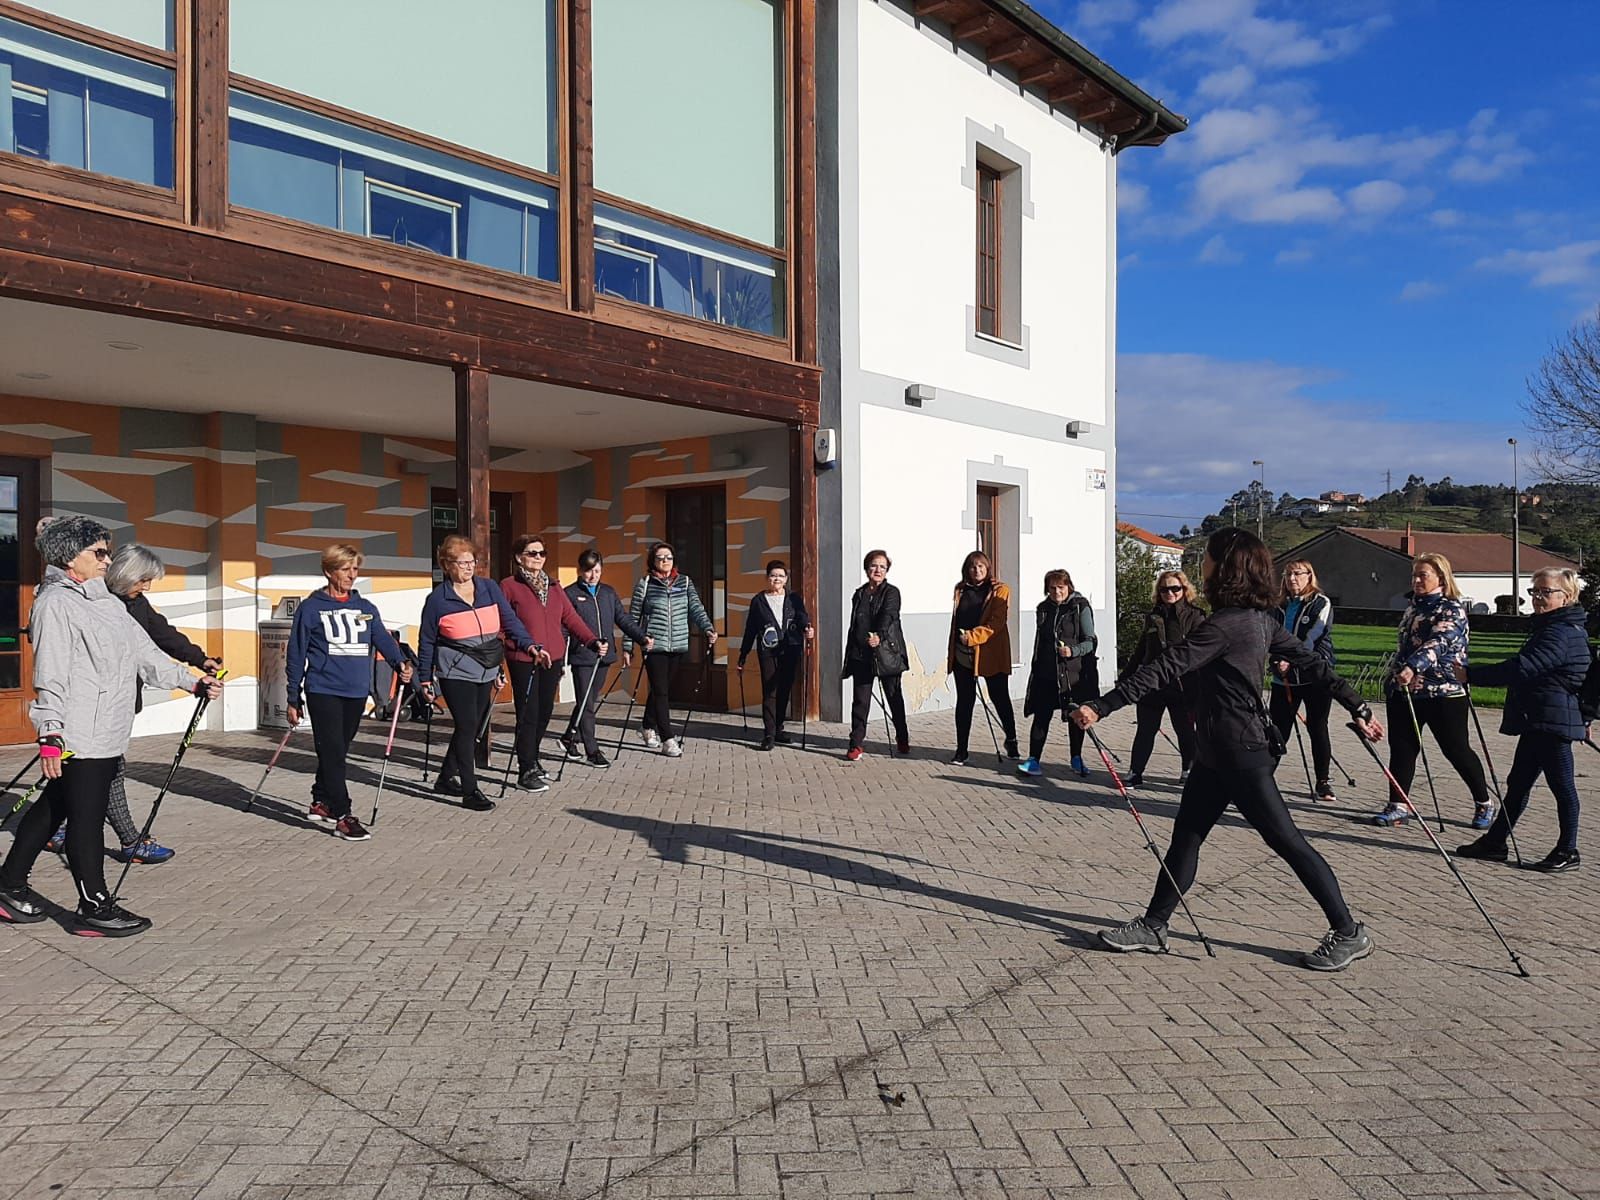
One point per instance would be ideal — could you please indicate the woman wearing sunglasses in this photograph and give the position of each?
(1173, 617)
(1307, 614)
(1544, 708)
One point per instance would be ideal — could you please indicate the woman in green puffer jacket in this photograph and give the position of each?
(665, 603)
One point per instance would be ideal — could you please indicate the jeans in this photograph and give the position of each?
(1550, 755)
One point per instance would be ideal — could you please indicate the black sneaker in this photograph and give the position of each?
(21, 905)
(349, 829)
(1324, 792)
(448, 785)
(958, 759)
(597, 759)
(1134, 780)
(1559, 860)
(532, 780)
(1137, 934)
(1011, 749)
(1484, 848)
(571, 751)
(784, 739)
(477, 802)
(766, 744)
(1336, 950)
(107, 919)
(539, 772)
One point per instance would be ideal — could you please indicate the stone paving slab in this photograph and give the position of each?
(718, 977)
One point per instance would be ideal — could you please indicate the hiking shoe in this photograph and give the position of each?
(58, 841)
(783, 738)
(672, 748)
(1011, 748)
(652, 739)
(320, 814)
(477, 802)
(597, 759)
(1134, 780)
(1030, 766)
(853, 754)
(1557, 861)
(445, 785)
(349, 829)
(147, 852)
(21, 905)
(1336, 950)
(571, 751)
(958, 759)
(1078, 768)
(1483, 817)
(1324, 792)
(107, 919)
(1487, 849)
(1391, 816)
(1137, 934)
(530, 781)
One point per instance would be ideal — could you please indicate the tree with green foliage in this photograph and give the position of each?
(1136, 576)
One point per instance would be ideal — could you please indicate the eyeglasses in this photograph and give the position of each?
(1545, 593)
(533, 554)
(463, 562)
(878, 567)
(1171, 591)
(101, 553)
(1298, 574)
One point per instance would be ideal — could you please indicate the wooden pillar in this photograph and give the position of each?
(580, 153)
(208, 91)
(472, 458)
(803, 549)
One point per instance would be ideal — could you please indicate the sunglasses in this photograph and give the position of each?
(101, 553)
(1171, 591)
(533, 554)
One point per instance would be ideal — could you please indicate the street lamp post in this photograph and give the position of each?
(1516, 531)
(1261, 500)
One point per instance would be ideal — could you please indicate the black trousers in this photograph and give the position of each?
(534, 691)
(467, 702)
(777, 682)
(587, 680)
(79, 798)
(1041, 730)
(117, 814)
(334, 721)
(1149, 713)
(1447, 717)
(1548, 754)
(1253, 792)
(861, 707)
(657, 706)
(1318, 702)
(967, 697)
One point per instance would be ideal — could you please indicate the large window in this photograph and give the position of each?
(149, 22)
(989, 250)
(68, 102)
(310, 168)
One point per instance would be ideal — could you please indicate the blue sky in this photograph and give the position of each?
(1380, 218)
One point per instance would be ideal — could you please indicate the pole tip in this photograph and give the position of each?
(1523, 971)
(1206, 942)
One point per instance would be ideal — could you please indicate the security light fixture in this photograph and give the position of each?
(918, 394)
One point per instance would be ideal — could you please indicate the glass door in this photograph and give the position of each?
(19, 574)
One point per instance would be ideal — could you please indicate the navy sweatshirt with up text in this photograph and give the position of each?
(330, 646)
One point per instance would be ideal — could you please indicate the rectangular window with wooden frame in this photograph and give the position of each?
(990, 251)
(989, 526)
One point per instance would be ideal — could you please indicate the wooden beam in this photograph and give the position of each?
(472, 459)
(1044, 72)
(580, 100)
(1097, 110)
(803, 248)
(940, 9)
(976, 28)
(1070, 92)
(208, 74)
(1126, 125)
(1010, 50)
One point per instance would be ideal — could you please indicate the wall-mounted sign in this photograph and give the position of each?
(1096, 481)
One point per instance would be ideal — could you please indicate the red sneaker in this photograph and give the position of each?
(321, 814)
(853, 754)
(351, 830)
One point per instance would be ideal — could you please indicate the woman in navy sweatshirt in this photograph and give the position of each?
(330, 659)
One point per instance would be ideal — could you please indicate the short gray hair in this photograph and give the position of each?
(132, 565)
(1564, 577)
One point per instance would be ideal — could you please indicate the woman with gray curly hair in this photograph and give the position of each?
(89, 654)
(132, 570)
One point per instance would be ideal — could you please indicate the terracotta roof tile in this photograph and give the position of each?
(1148, 538)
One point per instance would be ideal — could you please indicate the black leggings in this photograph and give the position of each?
(658, 666)
(1150, 711)
(861, 706)
(777, 682)
(533, 707)
(1253, 792)
(1447, 717)
(334, 721)
(467, 702)
(1551, 755)
(117, 814)
(79, 798)
(590, 680)
(967, 696)
(1041, 730)
(1318, 703)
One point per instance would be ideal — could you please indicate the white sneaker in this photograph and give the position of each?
(652, 739)
(671, 748)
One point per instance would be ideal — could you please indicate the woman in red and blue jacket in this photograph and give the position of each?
(461, 647)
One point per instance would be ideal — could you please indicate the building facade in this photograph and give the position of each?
(275, 273)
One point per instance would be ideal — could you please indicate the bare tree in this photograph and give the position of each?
(1563, 406)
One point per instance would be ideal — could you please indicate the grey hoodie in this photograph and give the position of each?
(89, 655)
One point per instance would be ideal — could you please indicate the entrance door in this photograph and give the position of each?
(19, 574)
(697, 527)
(446, 520)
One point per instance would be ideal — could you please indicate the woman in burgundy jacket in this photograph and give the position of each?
(541, 605)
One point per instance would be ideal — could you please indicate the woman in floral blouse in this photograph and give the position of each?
(1433, 639)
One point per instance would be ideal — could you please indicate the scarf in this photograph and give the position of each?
(537, 580)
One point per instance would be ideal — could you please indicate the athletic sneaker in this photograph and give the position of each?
(1030, 766)
(1324, 792)
(529, 781)
(1336, 950)
(1078, 768)
(1137, 934)
(146, 852)
(58, 841)
(652, 739)
(571, 750)
(1393, 815)
(321, 814)
(853, 754)
(1135, 780)
(672, 748)
(107, 919)
(597, 759)
(1486, 848)
(538, 772)
(21, 905)
(1557, 861)
(349, 829)
(958, 759)
(1483, 817)
(783, 738)
(1011, 749)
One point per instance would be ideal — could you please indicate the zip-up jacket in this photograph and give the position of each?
(1544, 678)
(1313, 625)
(664, 608)
(549, 622)
(875, 612)
(167, 639)
(1433, 639)
(1051, 678)
(990, 639)
(463, 641)
(331, 645)
(89, 655)
(791, 632)
(602, 612)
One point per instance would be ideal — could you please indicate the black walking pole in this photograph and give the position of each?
(988, 717)
(23, 800)
(577, 716)
(744, 717)
(17, 778)
(633, 698)
(1105, 757)
(1449, 862)
(1416, 728)
(177, 759)
(805, 690)
(1300, 739)
(1493, 778)
(883, 703)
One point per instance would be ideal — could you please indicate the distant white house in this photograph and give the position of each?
(1167, 553)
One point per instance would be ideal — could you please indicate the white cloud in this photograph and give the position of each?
(1421, 289)
(1300, 252)
(1375, 197)
(1574, 265)
(1132, 197)
(1098, 16)
(1227, 84)
(1447, 218)
(1266, 42)
(1217, 252)
(1490, 153)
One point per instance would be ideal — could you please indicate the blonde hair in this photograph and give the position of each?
(1565, 577)
(1300, 562)
(1441, 568)
(1188, 588)
(340, 554)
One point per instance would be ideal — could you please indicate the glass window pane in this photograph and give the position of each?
(8, 492)
(688, 103)
(10, 671)
(10, 547)
(309, 168)
(484, 77)
(147, 21)
(10, 612)
(69, 103)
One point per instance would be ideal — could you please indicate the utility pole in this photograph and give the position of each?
(1516, 530)
(1261, 501)
(1388, 482)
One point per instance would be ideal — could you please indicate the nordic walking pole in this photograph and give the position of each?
(1426, 769)
(388, 746)
(989, 718)
(1300, 739)
(883, 704)
(527, 693)
(1167, 738)
(1493, 778)
(577, 716)
(633, 698)
(805, 690)
(177, 760)
(1149, 841)
(683, 732)
(17, 778)
(272, 762)
(33, 791)
(1449, 862)
(744, 717)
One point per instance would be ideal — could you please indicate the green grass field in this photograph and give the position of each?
(1362, 649)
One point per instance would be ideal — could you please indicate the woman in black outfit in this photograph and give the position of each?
(1307, 614)
(875, 650)
(601, 609)
(778, 627)
(1064, 667)
(1174, 616)
(1236, 748)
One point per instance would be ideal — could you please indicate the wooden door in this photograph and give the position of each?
(697, 528)
(19, 575)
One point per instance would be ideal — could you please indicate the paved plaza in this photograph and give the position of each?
(781, 975)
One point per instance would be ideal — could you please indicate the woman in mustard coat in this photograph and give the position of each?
(980, 648)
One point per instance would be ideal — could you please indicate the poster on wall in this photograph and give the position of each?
(1096, 481)
(273, 678)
